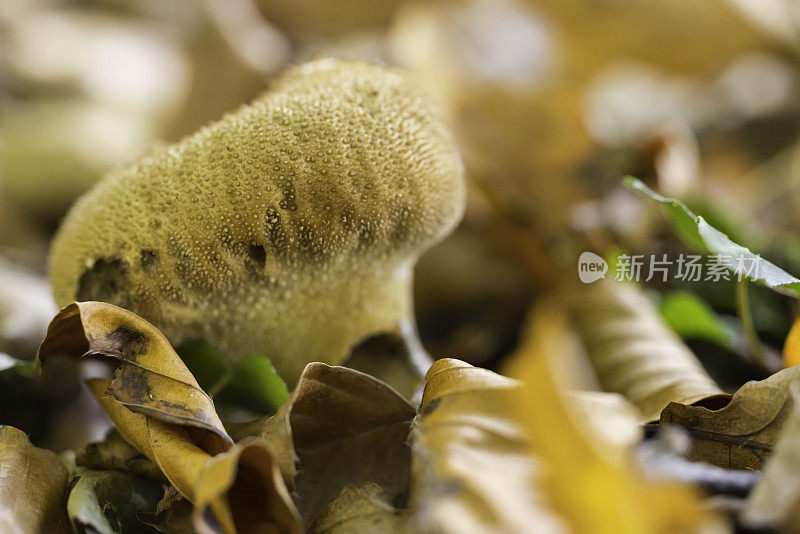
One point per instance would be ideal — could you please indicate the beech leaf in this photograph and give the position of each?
(635, 354)
(33, 487)
(341, 427)
(473, 468)
(774, 501)
(741, 434)
(150, 377)
(364, 509)
(592, 483)
(192, 472)
(158, 407)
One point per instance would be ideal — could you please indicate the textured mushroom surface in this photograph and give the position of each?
(289, 228)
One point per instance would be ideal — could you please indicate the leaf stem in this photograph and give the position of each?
(749, 328)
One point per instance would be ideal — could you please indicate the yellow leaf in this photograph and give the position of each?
(791, 349)
(158, 407)
(473, 470)
(364, 509)
(151, 379)
(593, 490)
(246, 481)
(209, 482)
(775, 500)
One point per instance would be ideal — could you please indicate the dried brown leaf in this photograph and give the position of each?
(150, 378)
(158, 407)
(775, 500)
(33, 487)
(342, 427)
(741, 434)
(364, 509)
(634, 353)
(210, 482)
(592, 482)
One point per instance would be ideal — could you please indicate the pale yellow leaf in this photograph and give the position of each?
(634, 353)
(593, 488)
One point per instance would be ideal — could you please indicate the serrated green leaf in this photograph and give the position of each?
(704, 238)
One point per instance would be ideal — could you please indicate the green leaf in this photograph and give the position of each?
(206, 363)
(704, 238)
(691, 317)
(111, 502)
(256, 385)
(252, 383)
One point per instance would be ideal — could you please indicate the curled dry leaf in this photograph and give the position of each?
(634, 353)
(342, 427)
(150, 378)
(364, 509)
(742, 433)
(775, 500)
(593, 487)
(158, 407)
(33, 487)
(473, 470)
(246, 480)
(197, 475)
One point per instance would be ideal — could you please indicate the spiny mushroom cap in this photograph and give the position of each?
(289, 228)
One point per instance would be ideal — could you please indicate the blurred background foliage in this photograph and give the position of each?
(551, 101)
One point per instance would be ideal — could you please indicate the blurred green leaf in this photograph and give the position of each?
(252, 383)
(704, 238)
(109, 502)
(256, 385)
(23, 367)
(691, 317)
(206, 363)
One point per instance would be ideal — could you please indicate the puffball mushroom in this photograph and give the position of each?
(289, 228)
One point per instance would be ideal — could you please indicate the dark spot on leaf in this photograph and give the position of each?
(131, 386)
(123, 341)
